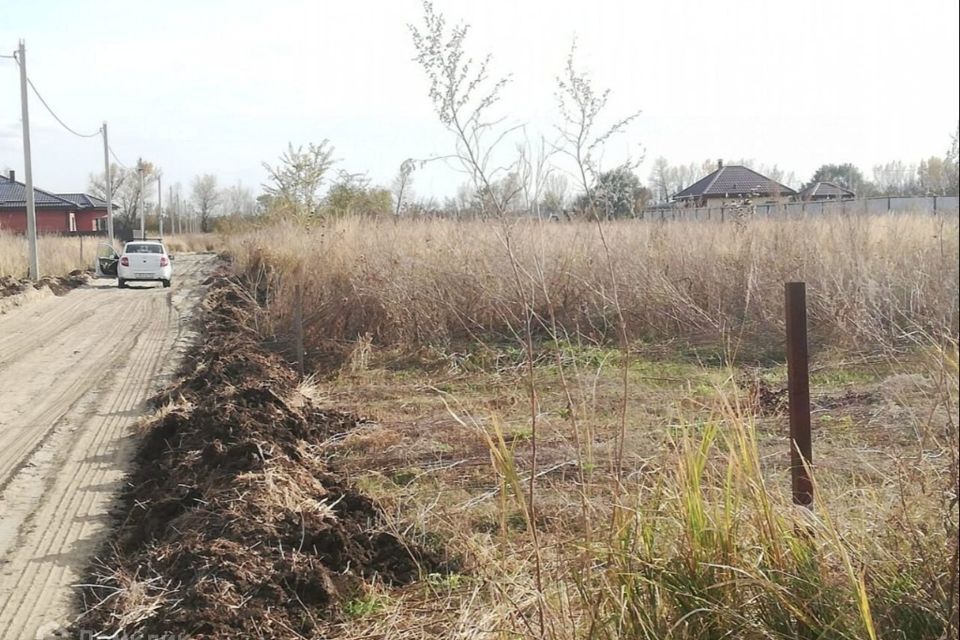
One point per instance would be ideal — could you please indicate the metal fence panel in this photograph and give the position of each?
(893, 204)
(947, 203)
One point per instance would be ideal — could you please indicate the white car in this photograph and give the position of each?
(144, 260)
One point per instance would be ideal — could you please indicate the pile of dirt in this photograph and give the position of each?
(763, 398)
(59, 285)
(10, 286)
(232, 524)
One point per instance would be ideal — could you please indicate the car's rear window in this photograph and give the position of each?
(140, 247)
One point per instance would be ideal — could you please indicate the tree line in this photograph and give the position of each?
(197, 209)
(303, 184)
(933, 176)
(555, 175)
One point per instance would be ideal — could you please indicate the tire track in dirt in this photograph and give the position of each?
(36, 582)
(44, 325)
(35, 420)
(64, 459)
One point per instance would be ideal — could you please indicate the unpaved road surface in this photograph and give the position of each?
(75, 372)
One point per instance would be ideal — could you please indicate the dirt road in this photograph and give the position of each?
(75, 372)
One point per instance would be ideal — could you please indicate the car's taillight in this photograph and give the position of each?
(163, 261)
(125, 261)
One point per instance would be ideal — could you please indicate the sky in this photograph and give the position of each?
(220, 86)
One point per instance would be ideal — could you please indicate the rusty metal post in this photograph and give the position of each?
(798, 384)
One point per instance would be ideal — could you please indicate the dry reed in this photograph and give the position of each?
(442, 283)
(695, 541)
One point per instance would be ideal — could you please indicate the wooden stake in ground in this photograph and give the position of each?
(798, 385)
(298, 321)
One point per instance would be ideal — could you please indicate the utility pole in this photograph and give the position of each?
(108, 182)
(160, 204)
(143, 214)
(28, 167)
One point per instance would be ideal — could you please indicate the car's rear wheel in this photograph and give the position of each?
(166, 283)
(121, 283)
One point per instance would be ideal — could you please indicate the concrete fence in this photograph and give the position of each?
(947, 205)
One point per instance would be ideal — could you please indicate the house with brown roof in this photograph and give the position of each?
(819, 191)
(732, 185)
(56, 212)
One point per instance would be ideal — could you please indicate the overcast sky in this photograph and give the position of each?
(218, 86)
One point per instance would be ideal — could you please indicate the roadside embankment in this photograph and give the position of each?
(232, 522)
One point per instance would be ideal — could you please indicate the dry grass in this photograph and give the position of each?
(700, 541)
(450, 285)
(59, 255)
(659, 497)
(192, 243)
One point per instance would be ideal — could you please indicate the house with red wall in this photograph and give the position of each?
(56, 212)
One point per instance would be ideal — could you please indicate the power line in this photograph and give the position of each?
(55, 116)
(119, 162)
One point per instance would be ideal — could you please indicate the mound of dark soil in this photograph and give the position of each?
(763, 398)
(232, 525)
(60, 285)
(10, 286)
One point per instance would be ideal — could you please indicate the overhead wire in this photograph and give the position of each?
(55, 116)
(60, 120)
(119, 161)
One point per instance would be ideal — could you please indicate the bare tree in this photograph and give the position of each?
(464, 201)
(463, 93)
(205, 198)
(296, 180)
(581, 107)
(534, 170)
(896, 178)
(237, 201)
(126, 193)
(661, 179)
(504, 195)
(582, 133)
(554, 198)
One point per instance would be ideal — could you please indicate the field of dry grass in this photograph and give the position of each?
(59, 255)
(690, 534)
(592, 416)
(452, 286)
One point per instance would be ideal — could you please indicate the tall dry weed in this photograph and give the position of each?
(704, 546)
(871, 279)
(59, 255)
